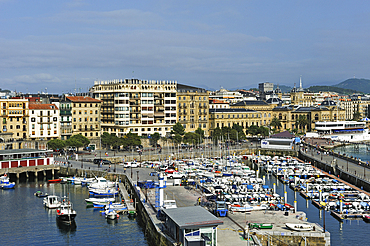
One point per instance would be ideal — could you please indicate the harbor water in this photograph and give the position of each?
(24, 220)
(361, 151)
(352, 232)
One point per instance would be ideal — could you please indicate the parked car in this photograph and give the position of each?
(169, 171)
(97, 161)
(102, 161)
(130, 164)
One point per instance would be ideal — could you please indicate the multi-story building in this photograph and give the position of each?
(140, 106)
(85, 116)
(192, 109)
(260, 106)
(226, 95)
(65, 107)
(227, 117)
(43, 122)
(14, 117)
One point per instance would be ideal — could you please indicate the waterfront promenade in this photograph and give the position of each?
(345, 166)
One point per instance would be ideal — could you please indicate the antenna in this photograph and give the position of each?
(300, 81)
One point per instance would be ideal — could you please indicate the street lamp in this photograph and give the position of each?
(137, 179)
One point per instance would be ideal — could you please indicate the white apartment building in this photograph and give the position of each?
(140, 106)
(44, 121)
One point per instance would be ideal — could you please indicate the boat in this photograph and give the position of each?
(366, 218)
(106, 200)
(101, 183)
(66, 214)
(39, 193)
(260, 226)
(299, 227)
(5, 183)
(110, 192)
(52, 202)
(345, 131)
(111, 214)
(54, 180)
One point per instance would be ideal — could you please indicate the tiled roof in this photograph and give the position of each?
(83, 99)
(218, 101)
(42, 106)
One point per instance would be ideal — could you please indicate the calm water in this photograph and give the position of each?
(360, 151)
(24, 220)
(352, 232)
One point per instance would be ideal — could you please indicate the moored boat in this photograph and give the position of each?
(5, 183)
(52, 202)
(39, 193)
(66, 214)
(54, 180)
(366, 218)
(299, 227)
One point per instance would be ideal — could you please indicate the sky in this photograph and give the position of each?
(64, 46)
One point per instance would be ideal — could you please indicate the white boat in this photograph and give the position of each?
(103, 200)
(111, 214)
(299, 227)
(101, 183)
(52, 202)
(348, 131)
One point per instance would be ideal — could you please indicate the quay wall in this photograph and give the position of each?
(152, 233)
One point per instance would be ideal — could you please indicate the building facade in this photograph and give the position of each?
(14, 118)
(140, 106)
(85, 115)
(192, 108)
(44, 122)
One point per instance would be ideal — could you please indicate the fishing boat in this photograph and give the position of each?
(66, 214)
(5, 183)
(111, 214)
(101, 183)
(299, 227)
(52, 202)
(108, 192)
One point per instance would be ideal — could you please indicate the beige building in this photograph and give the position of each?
(85, 116)
(262, 107)
(226, 117)
(14, 118)
(192, 108)
(140, 106)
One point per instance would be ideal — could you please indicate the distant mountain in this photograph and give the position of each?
(332, 89)
(283, 88)
(355, 84)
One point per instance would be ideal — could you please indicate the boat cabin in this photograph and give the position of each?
(192, 225)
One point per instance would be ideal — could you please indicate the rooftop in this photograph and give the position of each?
(192, 217)
(83, 99)
(42, 106)
(230, 110)
(250, 102)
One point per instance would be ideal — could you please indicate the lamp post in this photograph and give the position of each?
(137, 177)
(347, 164)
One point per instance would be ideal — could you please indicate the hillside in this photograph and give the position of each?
(332, 89)
(355, 84)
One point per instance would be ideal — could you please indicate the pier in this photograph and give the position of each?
(31, 171)
(128, 201)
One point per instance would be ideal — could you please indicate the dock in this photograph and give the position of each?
(128, 201)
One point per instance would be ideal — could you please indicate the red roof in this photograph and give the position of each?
(83, 99)
(42, 106)
(218, 101)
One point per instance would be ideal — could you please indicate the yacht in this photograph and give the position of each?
(345, 131)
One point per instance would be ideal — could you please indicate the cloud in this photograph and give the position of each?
(36, 79)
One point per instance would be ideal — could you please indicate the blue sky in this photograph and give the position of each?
(63, 45)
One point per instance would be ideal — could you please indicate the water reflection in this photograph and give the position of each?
(66, 229)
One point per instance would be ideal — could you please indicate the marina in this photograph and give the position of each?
(259, 199)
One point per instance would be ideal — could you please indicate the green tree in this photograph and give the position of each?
(302, 122)
(77, 141)
(177, 139)
(200, 132)
(191, 137)
(240, 130)
(253, 130)
(155, 137)
(264, 131)
(216, 134)
(275, 123)
(131, 139)
(178, 129)
(56, 144)
(356, 115)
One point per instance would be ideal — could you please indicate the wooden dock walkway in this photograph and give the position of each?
(128, 201)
